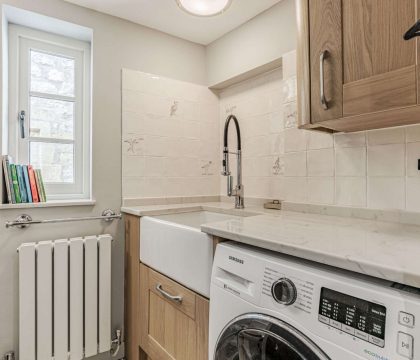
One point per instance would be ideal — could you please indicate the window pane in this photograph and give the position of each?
(52, 74)
(51, 118)
(56, 161)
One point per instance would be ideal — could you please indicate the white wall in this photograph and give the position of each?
(170, 138)
(261, 40)
(117, 44)
(373, 169)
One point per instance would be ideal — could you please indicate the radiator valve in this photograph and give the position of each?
(115, 344)
(9, 356)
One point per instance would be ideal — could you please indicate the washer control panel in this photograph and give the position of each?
(356, 317)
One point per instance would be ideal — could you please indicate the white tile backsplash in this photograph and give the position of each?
(386, 160)
(413, 194)
(295, 140)
(295, 189)
(350, 161)
(350, 191)
(295, 164)
(319, 140)
(375, 169)
(350, 140)
(321, 190)
(386, 192)
(172, 138)
(321, 162)
(413, 154)
(412, 133)
(386, 136)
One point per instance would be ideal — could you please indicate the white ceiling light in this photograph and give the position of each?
(204, 7)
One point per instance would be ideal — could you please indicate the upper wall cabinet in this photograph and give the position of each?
(355, 70)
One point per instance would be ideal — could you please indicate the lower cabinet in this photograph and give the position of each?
(173, 319)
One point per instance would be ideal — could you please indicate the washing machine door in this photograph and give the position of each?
(261, 337)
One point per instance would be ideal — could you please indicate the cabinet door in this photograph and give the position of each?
(170, 329)
(132, 263)
(325, 29)
(379, 66)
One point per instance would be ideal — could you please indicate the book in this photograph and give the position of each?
(32, 183)
(40, 185)
(4, 198)
(27, 183)
(21, 183)
(12, 169)
(6, 180)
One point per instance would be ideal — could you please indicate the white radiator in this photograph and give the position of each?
(65, 298)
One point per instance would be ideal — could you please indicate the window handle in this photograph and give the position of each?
(22, 123)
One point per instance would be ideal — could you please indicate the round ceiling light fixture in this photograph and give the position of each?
(204, 7)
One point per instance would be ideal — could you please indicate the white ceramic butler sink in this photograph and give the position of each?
(174, 245)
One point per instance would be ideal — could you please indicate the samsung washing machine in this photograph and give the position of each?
(267, 306)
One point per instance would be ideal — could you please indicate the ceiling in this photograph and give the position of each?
(166, 16)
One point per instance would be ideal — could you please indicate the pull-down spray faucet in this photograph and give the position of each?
(238, 192)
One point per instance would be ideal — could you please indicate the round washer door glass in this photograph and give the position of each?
(261, 337)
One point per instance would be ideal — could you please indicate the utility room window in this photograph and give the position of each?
(49, 126)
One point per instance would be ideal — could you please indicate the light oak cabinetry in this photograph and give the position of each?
(326, 61)
(132, 263)
(158, 326)
(171, 328)
(354, 66)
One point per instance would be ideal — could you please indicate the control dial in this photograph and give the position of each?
(284, 291)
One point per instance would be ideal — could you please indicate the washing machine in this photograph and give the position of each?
(269, 306)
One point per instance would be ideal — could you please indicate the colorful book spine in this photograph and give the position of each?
(21, 182)
(6, 176)
(32, 182)
(12, 169)
(40, 184)
(27, 183)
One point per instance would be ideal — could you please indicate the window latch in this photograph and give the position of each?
(22, 123)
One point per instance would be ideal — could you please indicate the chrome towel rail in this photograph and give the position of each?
(24, 220)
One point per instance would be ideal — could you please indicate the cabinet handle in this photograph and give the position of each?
(413, 31)
(177, 299)
(322, 57)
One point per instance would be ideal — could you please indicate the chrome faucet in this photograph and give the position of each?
(238, 192)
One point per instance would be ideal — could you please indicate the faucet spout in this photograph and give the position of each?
(238, 192)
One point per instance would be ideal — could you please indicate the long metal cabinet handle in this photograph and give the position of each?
(168, 296)
(322, 57)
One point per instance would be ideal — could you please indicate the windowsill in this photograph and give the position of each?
(52, 203)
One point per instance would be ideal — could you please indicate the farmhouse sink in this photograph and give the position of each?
(175, 246)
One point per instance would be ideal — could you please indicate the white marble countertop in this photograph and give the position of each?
(386, 250)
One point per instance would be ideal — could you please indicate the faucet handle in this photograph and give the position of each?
(225, 164)
(229, 184)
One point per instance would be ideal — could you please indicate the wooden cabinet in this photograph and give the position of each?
(354, 67)
(157, 327)
(132, 263)
(326, 61)
(173, 319)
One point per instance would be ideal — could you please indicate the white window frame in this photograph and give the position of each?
(21, 41)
